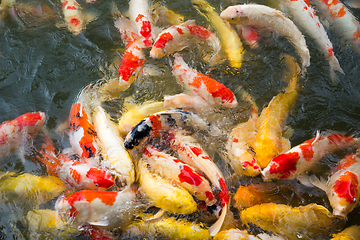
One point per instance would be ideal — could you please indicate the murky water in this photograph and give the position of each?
(43, 68)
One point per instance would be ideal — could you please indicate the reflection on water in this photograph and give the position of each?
(43, 69)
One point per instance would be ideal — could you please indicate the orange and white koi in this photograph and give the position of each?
(99, 208)
(75, 173)
(343, 186)
(190, 151)
(343, 21)
(82, 134)
(264, 17)
(306, 19)
(162, 193)
(139, 14)
(303, 157)
(198, 85)
(15, 132)
(183, 174)
(114, 156)
(164, 121)
(176, 38)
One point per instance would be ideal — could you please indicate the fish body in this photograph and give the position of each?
(301, 158)
(264, 17)
(350, 233)
(249, 34)
(114, 155)
(72, 15)
(291, 222)
(342, 21)
(234, 233)
(342, 187)
(163, 194)
(229, 39)
(14, 133)
(198, 84)
(190, 151)
(139, 14)
(176, 38)
(164, 121)
(99, 208)
(183, 174)
(82, 134)
(306, 19)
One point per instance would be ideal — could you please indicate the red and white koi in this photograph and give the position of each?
(303, 157)
(249, 34)
(164, 121)
(176, 38)
(75, 173)
(190, 151)
(105, 209)
(342, 187)
(180, 172)
(139, 14)
(14, 133)
(72, 14)
(264, 17)
(343, 21)
(306, 19)
(198, 85)
(114, 156)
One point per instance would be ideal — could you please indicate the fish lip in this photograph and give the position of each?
(340, 212)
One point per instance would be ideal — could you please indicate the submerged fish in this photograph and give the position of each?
(140, 15)
(264, 17)
(350, 233)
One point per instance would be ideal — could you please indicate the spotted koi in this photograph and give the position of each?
(198, 85)
(342, 21)
(15, 132)
(72, 14)
(164, 121)
(190, 151)
(98, 208)
(183, 174)
(176, 38)
(342, 187)
(303, 157)
(114, 156)
(139, 14)
(249, 34)
(264, 17)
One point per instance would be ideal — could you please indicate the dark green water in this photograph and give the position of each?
(44, 68)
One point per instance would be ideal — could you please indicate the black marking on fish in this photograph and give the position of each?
(138, 134)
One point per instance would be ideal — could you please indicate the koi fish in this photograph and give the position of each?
(291, 222)
(105, 209)
(13, 133)
(82, 134)
(249, 34)
(350, 233)
(264, 17)
(190, 151)
(164, 121)
(162, 193)
(342, 187)
(306, 19)
(342, 20)
(114, 156)
(178, 171)
(229, 39)
(303, 157)
(133, 114)
(235, 233)
(30, 188)
(73, 172)
(167, 227)
(199, 85)
(176, 38)
(269, 141)
(139, 14)
(161, 16)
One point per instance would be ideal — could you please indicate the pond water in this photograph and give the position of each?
(43, 68)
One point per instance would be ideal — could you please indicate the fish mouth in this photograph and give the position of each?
(340, 212)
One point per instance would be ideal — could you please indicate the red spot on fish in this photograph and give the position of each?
(209, 195)
(347, 186)
(75, 175)
(163, 39)
(235, 140)
(27, 119)
(356, 35)
(199, 31)
(155, 122)
(197, 151)
(74, 21)
(250, 164)
(64, 4)
(223, 195)
(71, 8)
(346, 162)
(330, 52)
(179, 30)
(129, 64)
(139, 17)
(100, 178)
(145, 31)
(147, 153)
(284, 164)
(336, 139)
(331, 4)
(189, 176)
(307, 150)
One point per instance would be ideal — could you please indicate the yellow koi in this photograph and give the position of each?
(234, 233)
(350, 233)
(305, 221)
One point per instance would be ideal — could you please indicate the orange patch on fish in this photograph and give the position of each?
(347, 186)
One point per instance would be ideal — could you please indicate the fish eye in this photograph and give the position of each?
(237, 11)
(354, 200)
(232, 18)
(96, 184)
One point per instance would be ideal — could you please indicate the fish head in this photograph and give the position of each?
(100, 178)
(32, 121)
(157, 52)
(226, 97)
(234, 14)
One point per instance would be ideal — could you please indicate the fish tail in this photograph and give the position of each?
(215, 228)
(334, 65)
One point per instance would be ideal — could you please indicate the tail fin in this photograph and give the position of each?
(215, 228)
